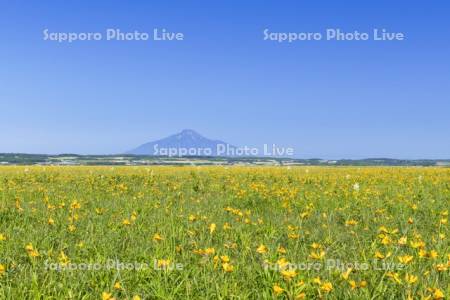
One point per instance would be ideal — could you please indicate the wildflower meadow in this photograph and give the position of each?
(200, 232)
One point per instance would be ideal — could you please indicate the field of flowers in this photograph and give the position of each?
(224, 233)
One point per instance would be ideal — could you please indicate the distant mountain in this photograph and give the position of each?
(186, 143)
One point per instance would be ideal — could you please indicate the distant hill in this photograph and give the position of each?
(186, 143)
(136, 160)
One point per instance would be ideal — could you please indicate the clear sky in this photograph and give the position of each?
(346, 99)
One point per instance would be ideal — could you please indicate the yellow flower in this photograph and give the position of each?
(351, 222)
(317, 280)
(288, 274)
(326, 287)
(300, 283)
(292, 228)
(107, 296)
(281, 250)
(402, 241)
(227, 267)
(304, 215)
(277, 289)
(157, 237)
(225, 258)
(406, 259)
(136, 297)
(354, 285)
(71, 228)
(29, 247)
(163, 263)
(209, 251)
(317, 255)
(417, 244)
(385, 240)
(2, 237)
(262, 249)
(346, 273)
(212, 228)
(216, 260)
(230, 245)
(226, 226)
(438, 294)
(383, 229)
(394, 276)
(2, 269)
(422, 253)
(73, 218)
(63, 259)
(315, 246)
(126, 222)
(293, 236)
(31, 251)
(282, 263)
(433, 254)
(410, 221)
(441, 267)
(18, 207)
(75, 205)
(379, 255)
(117, 286)
(410, 279)
(50, 221)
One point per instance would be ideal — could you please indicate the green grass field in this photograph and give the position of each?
(224, 233)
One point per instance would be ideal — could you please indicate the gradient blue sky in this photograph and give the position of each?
(324, 98)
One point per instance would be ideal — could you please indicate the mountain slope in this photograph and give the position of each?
(186, 143)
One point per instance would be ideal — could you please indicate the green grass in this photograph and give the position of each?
(267, 206)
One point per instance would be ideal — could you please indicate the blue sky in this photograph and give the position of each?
(329, 99)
